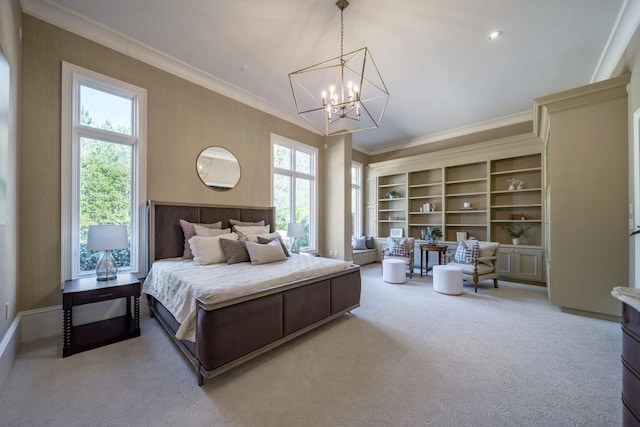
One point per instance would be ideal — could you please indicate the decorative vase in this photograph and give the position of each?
(511, 187)
(423, 234)
(516, 241)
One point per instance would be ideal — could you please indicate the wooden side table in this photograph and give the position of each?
(424, 255)
(92, 335)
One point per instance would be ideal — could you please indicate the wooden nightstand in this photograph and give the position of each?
(91, 335)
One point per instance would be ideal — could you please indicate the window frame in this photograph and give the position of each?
(72, 132)
(293, 174)
(357, 230)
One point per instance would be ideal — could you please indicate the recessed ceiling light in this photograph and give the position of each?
(495, 34)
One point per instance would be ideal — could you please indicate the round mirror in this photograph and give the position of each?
(218, 168)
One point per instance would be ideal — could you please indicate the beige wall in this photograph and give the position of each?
(10, 22)
(183, 118)
(337, 206)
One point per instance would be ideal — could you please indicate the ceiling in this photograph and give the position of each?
(444, 75)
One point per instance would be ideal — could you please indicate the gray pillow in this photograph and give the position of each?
(267, 240)
(264, 254)
(370, 243)
(359, 243)
(235, 251)
(189, 230)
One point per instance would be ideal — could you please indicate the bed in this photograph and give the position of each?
(229, 329)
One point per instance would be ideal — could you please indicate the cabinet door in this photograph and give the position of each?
(505, 264)
(528, 264)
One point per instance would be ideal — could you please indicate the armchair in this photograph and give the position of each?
(400, 248)
(479, 265)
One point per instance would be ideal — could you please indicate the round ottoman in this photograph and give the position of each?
(393, 271)
(447, 280)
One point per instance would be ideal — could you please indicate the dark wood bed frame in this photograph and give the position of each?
(232, 332)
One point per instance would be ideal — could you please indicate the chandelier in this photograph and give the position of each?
(341, 95)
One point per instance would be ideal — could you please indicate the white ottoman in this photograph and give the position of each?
(447, 280)
(393, 271)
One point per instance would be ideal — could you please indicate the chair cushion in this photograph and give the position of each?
(487, 249)
(406, 260)
(468, 268)
(398, 246)
(466, 252)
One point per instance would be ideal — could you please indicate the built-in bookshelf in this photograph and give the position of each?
(392, 203)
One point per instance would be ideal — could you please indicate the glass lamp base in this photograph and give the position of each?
(107, 269)
(295, 249)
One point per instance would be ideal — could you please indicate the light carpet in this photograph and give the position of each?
(407, 357)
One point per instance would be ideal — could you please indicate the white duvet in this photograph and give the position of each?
(177, 282)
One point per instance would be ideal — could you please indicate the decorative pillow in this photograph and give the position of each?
(245, 230)
(209, 232)
(359, 243)
(370, 243)
(397, 246)
(207, 250)
(236, 222)
(263, 254)
(466, 252)
(235, 251)
(264, 239)
(189, 231)
(254, 237)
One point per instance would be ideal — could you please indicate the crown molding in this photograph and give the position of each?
(452, 133)
(623, 29)
(98, 33)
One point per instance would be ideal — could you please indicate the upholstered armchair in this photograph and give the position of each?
(476, 264)
(400, 248)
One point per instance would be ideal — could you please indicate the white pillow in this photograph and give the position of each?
(265, 253)
(246, 230)
(209, 232)
(207, 250)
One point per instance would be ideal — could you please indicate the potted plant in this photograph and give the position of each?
(393, 194)
(515, 233)
(434, 234)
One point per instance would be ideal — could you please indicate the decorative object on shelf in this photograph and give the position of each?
(295, 230)
(393, 194)
(341, 95)
(106, 238)
(423, 234)
(514, 233)
(395, 232)
(515, 184)
(434, 234)
(461, 235)
(518, 217)
(429, 207)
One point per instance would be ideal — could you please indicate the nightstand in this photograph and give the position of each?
(92, 335)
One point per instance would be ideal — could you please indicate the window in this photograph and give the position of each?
(294, 188)
(356, 199)
(103, 167)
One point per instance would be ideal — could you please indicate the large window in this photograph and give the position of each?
(103, 167)
(294, 188)
(356, 199)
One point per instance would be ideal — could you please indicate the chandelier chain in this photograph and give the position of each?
(341, 33)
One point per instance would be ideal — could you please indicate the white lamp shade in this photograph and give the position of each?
(295, 230)
(107, 237)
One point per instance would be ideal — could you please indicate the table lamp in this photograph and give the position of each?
(295, 230)
(107, 238)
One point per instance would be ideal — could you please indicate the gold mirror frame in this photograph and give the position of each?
(218, 168)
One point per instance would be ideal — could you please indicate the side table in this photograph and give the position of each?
(424, 255)
(92, 335)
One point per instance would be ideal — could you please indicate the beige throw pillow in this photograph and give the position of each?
(264, 254)
(189, 231)
(207, 250)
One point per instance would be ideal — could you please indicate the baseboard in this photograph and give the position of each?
(9, 347)
(601, 316)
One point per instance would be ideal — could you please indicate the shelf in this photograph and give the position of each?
(467, 211)
(435, 196)
(426, 225)
(532, 205)
(397, 184)
(524, 190)
(479, 193)
(424, 185)
(467, 225)
(424, 213)
(534, 221)
(390, 210)
(392, 220)
(464, 181)
(392, 200)
(514, 171)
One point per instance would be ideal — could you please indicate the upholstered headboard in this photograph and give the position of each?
(166, 239)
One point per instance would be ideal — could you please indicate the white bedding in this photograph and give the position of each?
(177, 282)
